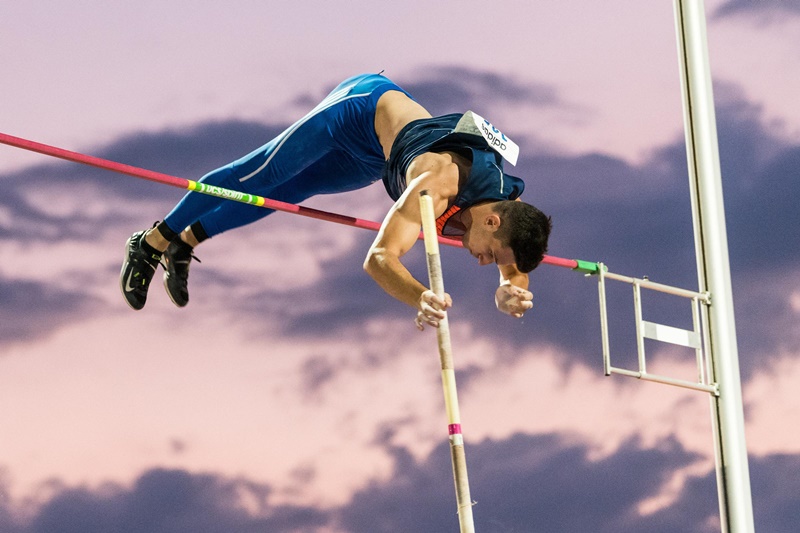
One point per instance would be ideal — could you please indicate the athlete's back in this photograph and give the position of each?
(394, 111)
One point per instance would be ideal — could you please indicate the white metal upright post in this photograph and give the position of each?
(713, 266)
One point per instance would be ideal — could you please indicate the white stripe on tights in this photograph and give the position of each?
(331, 100)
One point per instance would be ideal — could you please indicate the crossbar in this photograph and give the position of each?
(237, 196)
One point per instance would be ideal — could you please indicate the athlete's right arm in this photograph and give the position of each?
(398, 233)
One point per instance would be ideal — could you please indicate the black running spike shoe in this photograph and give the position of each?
(137, 271)
(176, 262)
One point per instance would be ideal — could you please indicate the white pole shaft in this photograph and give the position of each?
(463, 499)
(713, 264)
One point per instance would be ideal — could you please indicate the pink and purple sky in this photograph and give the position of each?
(292, 395)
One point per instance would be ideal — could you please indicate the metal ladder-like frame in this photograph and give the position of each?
(696, 338)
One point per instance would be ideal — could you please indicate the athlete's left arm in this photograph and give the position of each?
(512, 297)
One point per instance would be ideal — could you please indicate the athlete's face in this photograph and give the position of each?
(482, 243)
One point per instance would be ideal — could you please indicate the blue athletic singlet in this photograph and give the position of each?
(486, 180)
(334, 148)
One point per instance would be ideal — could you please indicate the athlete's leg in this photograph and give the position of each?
(336, 172)
(343, 121)
(279, 160)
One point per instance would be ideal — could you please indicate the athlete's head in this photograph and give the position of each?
(525, 230)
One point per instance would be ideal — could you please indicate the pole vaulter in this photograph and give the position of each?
(587, 267)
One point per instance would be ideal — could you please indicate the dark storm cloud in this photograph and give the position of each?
(167, 501)
(761, 180)
(450, 89)
(191, 152)
(768, 11)
(775, 486)
(525, 483)
(31, 198)
(31, 309)
(775, 481)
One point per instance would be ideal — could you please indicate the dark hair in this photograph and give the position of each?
(525, 230)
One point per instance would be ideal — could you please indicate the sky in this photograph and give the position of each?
(292, 394)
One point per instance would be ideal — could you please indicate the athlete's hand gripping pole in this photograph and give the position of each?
(448, 373)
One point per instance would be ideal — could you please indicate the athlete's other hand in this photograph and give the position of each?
(513, 300)
(431, 309)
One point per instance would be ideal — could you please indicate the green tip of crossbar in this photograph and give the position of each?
(588, 267)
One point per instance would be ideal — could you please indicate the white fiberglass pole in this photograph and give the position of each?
(463, 499)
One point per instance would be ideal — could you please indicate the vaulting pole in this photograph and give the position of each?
(459, 461)
(713, 267)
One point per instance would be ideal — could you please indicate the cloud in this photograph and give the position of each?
(167, 501)
(455, 88)
(525, 483)
(775, 486)
(191, 152)
(763, 12)
(30, 309)
(637, 219)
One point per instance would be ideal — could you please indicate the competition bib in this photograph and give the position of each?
(475, 124)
